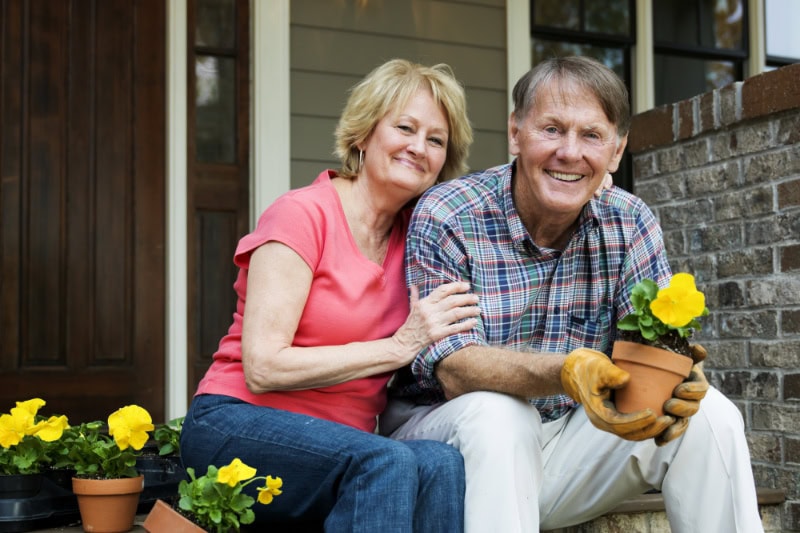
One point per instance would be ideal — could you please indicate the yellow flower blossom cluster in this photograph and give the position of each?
(21, 421)
(658, 312)
(680, 303)
(215, 501)
(129, 426)
(237, 472)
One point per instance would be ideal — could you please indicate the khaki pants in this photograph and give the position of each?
(523, 475)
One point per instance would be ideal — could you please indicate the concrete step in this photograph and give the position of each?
(645, 514)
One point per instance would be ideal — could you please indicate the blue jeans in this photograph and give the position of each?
(334, 476)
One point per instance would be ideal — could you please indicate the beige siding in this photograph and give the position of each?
(335, 43)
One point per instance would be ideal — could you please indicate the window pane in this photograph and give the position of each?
(783, 37)
(675, 21)
(613, 58)
(679, 78)
(722, 24)
(557, 13)
(215, 23)
(704, 23)
(612, 16)
(215, 131)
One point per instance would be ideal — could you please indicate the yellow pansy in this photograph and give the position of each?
(270, 490)
(235, 472)
(680, 303)
(32, 406)
(12, 429)
(129, 426)
(50, 430)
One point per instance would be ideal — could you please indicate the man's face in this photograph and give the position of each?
(564, 146)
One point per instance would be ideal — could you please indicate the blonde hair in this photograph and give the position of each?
(388, 88)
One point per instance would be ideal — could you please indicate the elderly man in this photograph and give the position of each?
(523, 393)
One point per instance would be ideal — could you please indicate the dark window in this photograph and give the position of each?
(699, 45)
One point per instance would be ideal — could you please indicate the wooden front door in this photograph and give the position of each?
(82, 205)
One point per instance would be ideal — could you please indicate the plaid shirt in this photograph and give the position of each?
(531, 298)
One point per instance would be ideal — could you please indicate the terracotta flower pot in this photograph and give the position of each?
(108, 505)
(655, 373)
(163, 518)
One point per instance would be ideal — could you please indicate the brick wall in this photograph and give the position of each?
(721, 171)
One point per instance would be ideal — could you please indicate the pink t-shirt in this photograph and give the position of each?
(351, 299)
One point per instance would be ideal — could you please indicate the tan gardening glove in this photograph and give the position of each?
(588, 376)
(686, 397)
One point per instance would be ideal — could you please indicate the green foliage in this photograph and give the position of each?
(215, 506)
(168, 437)
(91, 451)
(28, 457)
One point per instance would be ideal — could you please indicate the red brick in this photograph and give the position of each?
(651, 128)
(707, 121)
(789, 194)
(770, 92)
(685, 119)
(790, 258)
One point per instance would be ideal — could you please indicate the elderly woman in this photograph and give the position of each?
(323, 320)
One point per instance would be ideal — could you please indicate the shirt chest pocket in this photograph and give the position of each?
(588, 331)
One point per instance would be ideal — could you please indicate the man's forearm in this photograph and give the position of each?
(485, 368)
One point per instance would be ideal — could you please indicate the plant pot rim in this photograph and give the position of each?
(120, 485)
(647, 355)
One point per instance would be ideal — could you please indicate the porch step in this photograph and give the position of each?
(645, 514)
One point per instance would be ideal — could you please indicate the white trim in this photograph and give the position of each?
(176, 387)
(271, 112)
(518, 45)
(757, 59)
(643, 76)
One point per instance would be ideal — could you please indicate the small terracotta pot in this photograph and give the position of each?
(108, 505)
(163, 518)
(655, 373)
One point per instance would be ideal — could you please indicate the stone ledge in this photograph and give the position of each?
(655, 501)
(646, 514)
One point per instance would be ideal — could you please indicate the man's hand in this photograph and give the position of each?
(685, 401)
(588, 376)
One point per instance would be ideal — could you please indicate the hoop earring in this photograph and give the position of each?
(360, 159)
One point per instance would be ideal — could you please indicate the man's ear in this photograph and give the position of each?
(613, 165)
(513, 132)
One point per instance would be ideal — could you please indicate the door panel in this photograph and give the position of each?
(218, 169)
(82, 161)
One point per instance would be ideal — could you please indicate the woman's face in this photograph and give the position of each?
(408, 147)
(564, 146)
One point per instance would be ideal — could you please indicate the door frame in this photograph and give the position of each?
(270, 132)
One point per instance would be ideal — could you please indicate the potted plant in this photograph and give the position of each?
(106, 480)
(215, 501)
(655, 338)
(26, 447)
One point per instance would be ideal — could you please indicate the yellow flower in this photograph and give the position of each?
(51, 429)
(270, 490)
(680, 303)
(32, 406)
(129, 426)
(12, 429)
(235, 472)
